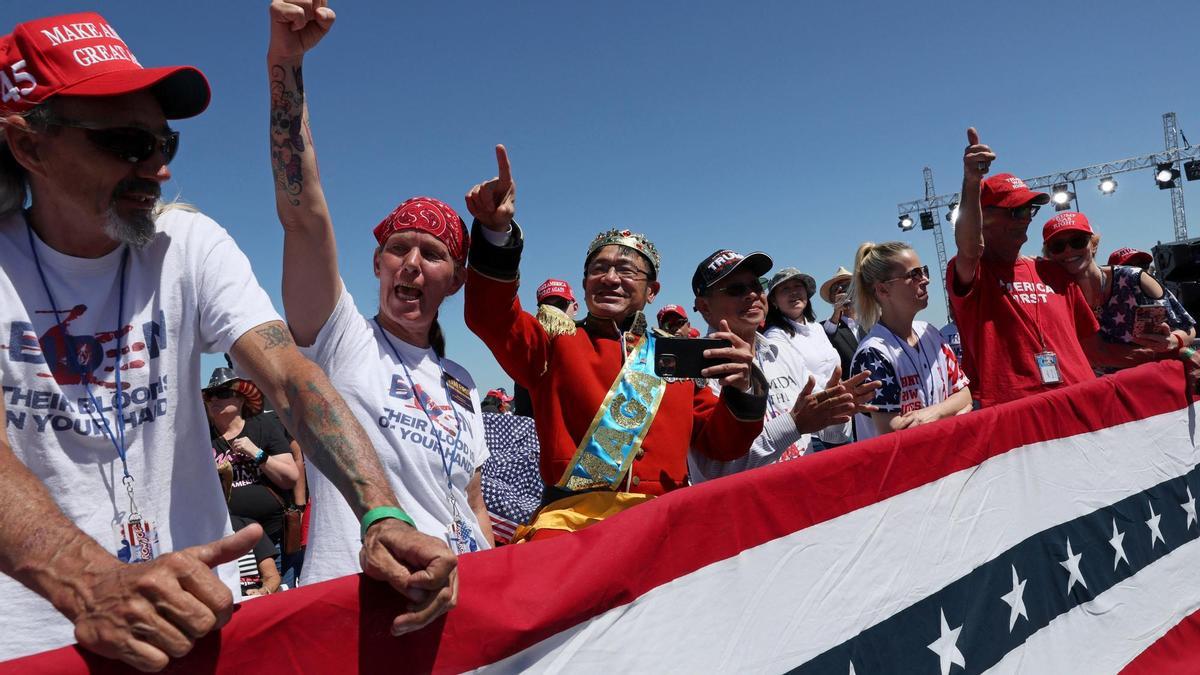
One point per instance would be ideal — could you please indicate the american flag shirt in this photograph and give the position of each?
(913, 377)
(512, 485)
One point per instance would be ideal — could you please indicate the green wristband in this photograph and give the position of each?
(382, 512)
(1186, 353)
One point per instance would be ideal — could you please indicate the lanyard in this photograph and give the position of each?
(118, 440)
(447, 466)
(918, 369)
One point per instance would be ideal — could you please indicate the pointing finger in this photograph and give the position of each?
(503, 165)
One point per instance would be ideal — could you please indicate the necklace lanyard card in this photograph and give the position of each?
(459, 537)
(137, 540)
(1047, 363)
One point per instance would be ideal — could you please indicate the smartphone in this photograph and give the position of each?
(684, 357)
(1146, 319)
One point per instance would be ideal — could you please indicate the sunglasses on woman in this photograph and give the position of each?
(131, 144)
(1060, 244)
(915, 274)
(220, 394)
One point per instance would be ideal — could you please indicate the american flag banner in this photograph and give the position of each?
(1055, 534)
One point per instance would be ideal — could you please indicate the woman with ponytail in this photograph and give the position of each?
(420, 410)
(921, 378)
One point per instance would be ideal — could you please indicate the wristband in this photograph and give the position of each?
(261, 457)
(1186, 353)
(381, 513)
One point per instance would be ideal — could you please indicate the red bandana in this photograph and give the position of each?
(428, 215)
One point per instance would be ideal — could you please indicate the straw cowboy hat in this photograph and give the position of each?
(842, 274)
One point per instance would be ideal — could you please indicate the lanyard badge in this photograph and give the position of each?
(136, 538)
(458, 534)
(1047, 363)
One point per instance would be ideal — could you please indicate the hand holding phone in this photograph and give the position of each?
(1148, 320)
(684, 357)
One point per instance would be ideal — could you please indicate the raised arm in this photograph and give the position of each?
(311, 284)
(968, 230)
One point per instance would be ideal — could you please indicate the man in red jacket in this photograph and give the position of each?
(612, 433)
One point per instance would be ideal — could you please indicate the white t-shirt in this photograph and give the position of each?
(355, 353)
(913, 377)
(821, 359)
(190, 290)
(779, 440)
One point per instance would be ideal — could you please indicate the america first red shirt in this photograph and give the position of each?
(1007, 315)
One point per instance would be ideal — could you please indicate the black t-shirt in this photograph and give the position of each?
(252, 495)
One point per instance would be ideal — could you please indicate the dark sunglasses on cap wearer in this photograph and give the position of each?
(1026, 212)
(1076, 241)
(915, 274)
(741, 289)
(220, 394)
(132, 144)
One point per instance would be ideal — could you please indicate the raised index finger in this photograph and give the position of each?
(972, 136)
(502, 164)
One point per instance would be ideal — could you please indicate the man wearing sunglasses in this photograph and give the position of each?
(106, 302)
(729, 292)
(1025, 325)
(612, 433)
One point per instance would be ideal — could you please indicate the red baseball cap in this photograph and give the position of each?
(500, 394)
(552, 288)
(81, 55)
(671, 309)
(1130, 256)
(1007, 191)
(1067, 221)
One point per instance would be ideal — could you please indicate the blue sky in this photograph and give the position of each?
(789, 127)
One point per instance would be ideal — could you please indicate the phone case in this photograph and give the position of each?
(684, 357)
(1147, 317)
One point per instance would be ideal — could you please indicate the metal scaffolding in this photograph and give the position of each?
(1172, 154)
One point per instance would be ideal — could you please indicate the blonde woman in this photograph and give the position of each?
(921, 379)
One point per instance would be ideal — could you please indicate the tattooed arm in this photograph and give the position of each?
(311, 284)
(419, 566)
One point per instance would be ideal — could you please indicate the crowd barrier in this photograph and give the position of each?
(989, 540)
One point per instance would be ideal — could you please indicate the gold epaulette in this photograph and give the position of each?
(555, 321)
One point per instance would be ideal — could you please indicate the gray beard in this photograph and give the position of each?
(136, 232)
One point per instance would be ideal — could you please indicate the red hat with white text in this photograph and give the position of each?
(82, 55)
(555, 288)
(1007, 191)
(671, 309)
(1067, 221)
(1130, 256)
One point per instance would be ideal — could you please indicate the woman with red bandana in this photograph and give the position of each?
(421, 410)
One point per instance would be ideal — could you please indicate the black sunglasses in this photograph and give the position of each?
(220, 394)
(132, 144)
(741, 289)
(1060, 244)
(1026, 212)
(915, 274)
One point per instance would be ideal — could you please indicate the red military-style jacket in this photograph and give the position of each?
(568, 377)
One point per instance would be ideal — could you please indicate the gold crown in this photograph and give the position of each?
(633, 240)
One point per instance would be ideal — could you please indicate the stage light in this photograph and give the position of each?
(906, 223)
(1166, 176)
(952, 214)
(1107, 186)
(927, 220)
(1192, 170)
(1062, 197)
